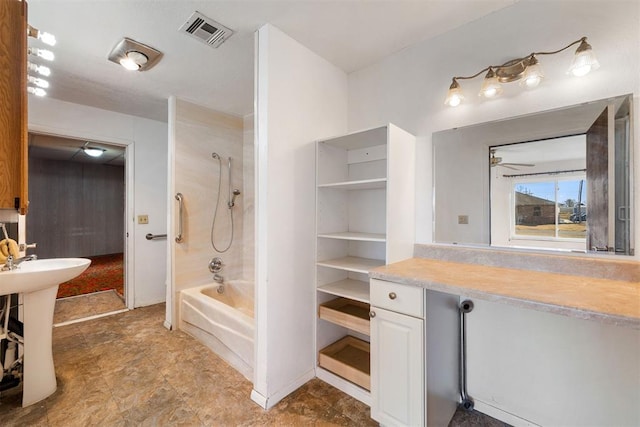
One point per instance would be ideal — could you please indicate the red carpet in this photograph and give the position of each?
(105, 272)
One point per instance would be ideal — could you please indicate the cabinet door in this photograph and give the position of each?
(397, 369)
(13, 104)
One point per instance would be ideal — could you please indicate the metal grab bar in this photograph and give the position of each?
(180, 200)
(464, 308)
(150, 236)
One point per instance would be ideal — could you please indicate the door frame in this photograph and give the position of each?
(129, 203)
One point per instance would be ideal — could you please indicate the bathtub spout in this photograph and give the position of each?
(218, 278)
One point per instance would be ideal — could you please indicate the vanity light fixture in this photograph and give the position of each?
(37, 91)
(527, 70)
(46, 38)
(133, 55)
(38, 82)
(42, 53)
(40, 69)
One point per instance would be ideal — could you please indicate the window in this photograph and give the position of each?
(550, 209)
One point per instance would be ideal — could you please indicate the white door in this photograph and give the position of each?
(397, 369)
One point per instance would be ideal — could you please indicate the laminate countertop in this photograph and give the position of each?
(606, 300)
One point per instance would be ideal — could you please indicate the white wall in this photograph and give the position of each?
(147, 168)
(300, 98)
(409, 88)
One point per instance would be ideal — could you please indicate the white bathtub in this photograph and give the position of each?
(223, 322)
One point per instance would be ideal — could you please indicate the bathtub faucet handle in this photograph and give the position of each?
(215, 266)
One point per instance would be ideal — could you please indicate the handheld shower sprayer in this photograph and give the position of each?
(232, 202)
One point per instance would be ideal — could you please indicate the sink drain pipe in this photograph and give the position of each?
(465, 307)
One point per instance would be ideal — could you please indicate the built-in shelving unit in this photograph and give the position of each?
(365, 210)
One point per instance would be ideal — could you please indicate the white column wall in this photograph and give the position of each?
(147, 170)
(300, 98)
(408, 89)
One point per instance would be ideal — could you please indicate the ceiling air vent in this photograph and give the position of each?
(206, 30)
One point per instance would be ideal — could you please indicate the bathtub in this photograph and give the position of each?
(223, 322)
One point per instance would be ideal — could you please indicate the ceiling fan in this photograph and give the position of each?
(497, 161)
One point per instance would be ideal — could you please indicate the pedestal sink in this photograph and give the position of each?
(38, 282)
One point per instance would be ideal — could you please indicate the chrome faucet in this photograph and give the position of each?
(12, 263)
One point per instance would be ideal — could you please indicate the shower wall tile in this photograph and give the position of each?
(198, 133)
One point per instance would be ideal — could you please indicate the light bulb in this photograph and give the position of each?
(491, 87)
(584, 60)
(40, 69)
(533, 74)
(47, 38)
(38, 82)
(36, 91)
(42, 53)
(455, 95)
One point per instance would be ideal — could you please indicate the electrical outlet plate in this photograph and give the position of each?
(143, 219)
(463, 219)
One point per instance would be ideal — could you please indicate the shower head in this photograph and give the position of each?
(232, 202)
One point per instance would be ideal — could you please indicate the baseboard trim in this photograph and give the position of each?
(501, 415)
(270, 401)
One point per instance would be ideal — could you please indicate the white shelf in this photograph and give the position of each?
(354, 264)
(364, 184)
(348, 288)
(348, 235)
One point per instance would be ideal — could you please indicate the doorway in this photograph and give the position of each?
(77, 192)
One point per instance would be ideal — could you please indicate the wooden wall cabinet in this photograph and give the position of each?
(13, 105)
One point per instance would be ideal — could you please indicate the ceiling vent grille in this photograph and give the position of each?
(206, 30)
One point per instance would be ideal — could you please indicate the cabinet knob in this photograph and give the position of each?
(392, 295)
(372, 314)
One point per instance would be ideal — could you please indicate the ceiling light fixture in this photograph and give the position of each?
(134, 56)
(92, 151)
(527, 70)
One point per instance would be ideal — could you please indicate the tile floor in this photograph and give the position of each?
(128, 370)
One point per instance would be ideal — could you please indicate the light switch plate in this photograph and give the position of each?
(463, 219)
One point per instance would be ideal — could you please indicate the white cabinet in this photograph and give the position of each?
(397, 368)
(398, 363)
(365, 219)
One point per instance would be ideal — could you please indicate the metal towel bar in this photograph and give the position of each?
(180, 199)
(150, 236)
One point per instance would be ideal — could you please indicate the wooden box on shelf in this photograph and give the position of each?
(348, 358)
(346, 312)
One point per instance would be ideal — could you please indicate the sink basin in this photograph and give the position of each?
(39, 274)
(38, 282)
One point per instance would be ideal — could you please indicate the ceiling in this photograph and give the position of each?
(351, 34)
